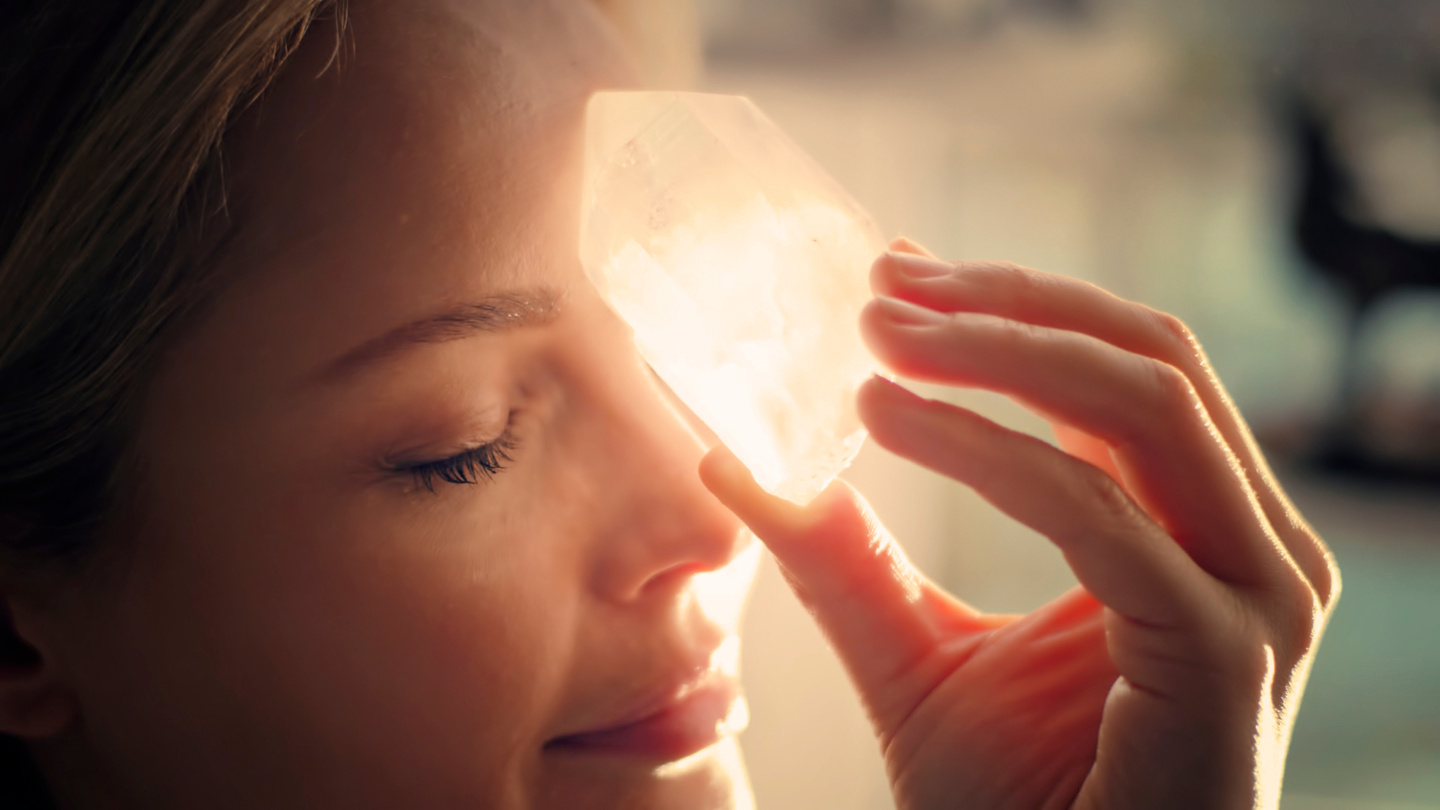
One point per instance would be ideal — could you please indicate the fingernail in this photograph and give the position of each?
(725, 468)
(887, 383)
(919, 266)
(904, 313)
(905, 244)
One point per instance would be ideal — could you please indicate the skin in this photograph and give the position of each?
(301, 622)
(1172, 675)
(298, 624)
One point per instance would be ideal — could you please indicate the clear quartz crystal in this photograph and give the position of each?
(742, 267)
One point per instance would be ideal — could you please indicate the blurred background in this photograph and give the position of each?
(1269, 170)
(1266, 169)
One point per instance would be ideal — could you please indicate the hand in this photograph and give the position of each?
(1171, 677)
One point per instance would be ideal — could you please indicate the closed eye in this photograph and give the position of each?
(468, 467)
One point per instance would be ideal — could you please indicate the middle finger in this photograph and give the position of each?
(1064, 303)
(1164, 443)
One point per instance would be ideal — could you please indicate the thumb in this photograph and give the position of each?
(880, 614)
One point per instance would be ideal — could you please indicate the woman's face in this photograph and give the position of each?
(336, 599)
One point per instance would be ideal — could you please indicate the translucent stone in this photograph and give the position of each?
(742, 267)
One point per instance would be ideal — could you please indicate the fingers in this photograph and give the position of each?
(1072, 305)
(1117, 552)
(1146, 411)
(1085, 447)
(882, 616)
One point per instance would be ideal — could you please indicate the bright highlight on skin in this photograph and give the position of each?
(742, 268)
(721, 593)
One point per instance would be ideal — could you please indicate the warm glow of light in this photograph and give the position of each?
(725, 754)
(728, 756)
(722, 593)
(741, 267)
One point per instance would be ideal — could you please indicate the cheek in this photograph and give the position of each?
(312, 636)
(455, 627)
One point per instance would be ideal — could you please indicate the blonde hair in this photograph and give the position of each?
(109, 190)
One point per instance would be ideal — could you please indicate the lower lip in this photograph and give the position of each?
(696, 722)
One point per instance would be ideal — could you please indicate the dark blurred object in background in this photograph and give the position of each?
(884, 18)
(1365, 263)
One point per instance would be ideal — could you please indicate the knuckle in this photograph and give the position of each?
(1013, 336)
(1027, 282)
(1009, 271)
(1108, 503)
(1171, 393)
(1232, 656)
(1290, 617)
(1326, 581)
(1333, 584)
(1299, 619)
(1172, 387)
(1321, 573)
(1013, 282)
(1176, 333)
(1240, 647)
(1175, 328)
(1303, 616)
(1252, 659)
(1312, 615)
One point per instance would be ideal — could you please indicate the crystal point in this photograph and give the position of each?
(741, 266)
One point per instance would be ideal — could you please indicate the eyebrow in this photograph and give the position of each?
(494, 314)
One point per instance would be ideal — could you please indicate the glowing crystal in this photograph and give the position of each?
(741, 266)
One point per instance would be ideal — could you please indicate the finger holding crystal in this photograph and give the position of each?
(1146, 411)
(1059, 302)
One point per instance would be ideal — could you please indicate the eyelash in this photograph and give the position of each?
(469, 467)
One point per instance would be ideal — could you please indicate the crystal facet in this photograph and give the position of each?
(741, 266)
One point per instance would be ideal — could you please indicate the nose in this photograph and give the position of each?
(659, 527)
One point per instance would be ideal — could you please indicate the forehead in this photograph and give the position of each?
(435, 159)
(429, 106)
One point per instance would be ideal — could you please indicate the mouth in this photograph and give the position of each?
(684, 721)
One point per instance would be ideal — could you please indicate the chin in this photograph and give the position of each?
(713, 779)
